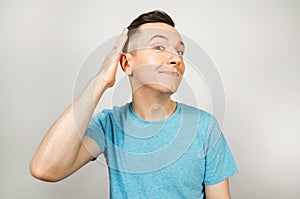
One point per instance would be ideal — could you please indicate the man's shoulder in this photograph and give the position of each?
(115, 111)
(192, 109)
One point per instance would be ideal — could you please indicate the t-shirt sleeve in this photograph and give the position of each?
(219, 162)
(96, 130)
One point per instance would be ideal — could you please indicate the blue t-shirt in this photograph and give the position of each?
(171, 158)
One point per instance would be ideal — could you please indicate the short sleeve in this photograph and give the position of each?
(95, 130)
(219, 162)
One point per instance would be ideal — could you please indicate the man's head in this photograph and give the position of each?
(152, 55)
(149, 17)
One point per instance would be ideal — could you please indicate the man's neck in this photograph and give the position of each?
(151, 105)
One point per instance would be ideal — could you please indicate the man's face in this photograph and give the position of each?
(156, 57)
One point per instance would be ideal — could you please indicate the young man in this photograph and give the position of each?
(155, 147)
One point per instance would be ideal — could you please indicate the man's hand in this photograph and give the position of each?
(108, 71)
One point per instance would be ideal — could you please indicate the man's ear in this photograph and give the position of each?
(125, 63)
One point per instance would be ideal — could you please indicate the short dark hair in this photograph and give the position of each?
(149, 17)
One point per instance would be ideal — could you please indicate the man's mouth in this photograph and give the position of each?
(171, 73)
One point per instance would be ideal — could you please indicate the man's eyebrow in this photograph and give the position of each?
(159, 36)
(164, 37)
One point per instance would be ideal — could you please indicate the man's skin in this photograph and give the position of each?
(65, 148)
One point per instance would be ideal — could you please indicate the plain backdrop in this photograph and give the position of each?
(255, 46)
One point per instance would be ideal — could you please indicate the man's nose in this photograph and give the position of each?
(176, 62)
(174, 59)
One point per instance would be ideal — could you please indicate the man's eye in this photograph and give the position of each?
(180, 52)
(158, 48)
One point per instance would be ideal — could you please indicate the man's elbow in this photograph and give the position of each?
(39, 172)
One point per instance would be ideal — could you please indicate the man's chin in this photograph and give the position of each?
(164, 89)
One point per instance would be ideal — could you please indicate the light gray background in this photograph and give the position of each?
(255, 46)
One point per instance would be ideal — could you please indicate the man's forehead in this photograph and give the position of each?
(158, 25)
(150, 29)
(151, 33)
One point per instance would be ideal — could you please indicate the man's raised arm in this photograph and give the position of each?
(62, 151)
